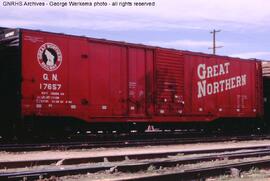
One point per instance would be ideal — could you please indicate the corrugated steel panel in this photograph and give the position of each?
(169, 82)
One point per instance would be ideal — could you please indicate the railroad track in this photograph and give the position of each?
(141, 162)
(124, 143)
(202, 173)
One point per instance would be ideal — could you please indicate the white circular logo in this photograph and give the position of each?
(49, 56)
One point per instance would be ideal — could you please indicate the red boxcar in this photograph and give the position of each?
(98, 80)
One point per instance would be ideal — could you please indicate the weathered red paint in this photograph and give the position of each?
(101, 81)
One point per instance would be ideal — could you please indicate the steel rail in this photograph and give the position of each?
(143, 165)
(201, 173)
(69, 161)
(122, 143)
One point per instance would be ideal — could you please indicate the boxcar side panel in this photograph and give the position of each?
(78, 72)
(107, 80)
(223, 87)
(45, 63)
(136, 82)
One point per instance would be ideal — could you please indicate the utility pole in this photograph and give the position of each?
(214, 41)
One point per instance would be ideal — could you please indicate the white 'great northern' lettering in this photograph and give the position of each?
(205, 88)
(208, 88)
(212, 71)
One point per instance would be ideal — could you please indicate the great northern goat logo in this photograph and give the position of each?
(49, 56)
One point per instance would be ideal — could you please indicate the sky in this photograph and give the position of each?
(179, 24)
